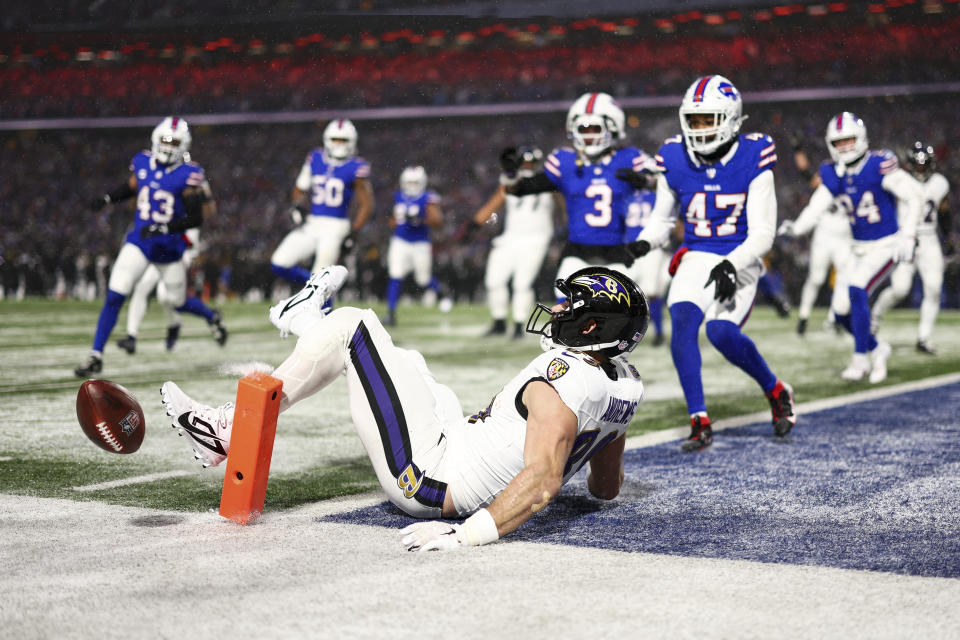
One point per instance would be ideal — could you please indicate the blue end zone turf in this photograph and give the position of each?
(873, 486)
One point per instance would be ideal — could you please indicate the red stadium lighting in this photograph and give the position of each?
(836, 7)
(762, 16)
(733, 15)
(876, 8)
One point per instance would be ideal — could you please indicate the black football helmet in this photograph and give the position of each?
(921, 160)
(607, 297)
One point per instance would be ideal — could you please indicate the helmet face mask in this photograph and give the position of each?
(170, 141)
(846, 139)
(340, 140)
(530, 157)
(605, 313)
(413, 181)
(595, 123)
(711, 114)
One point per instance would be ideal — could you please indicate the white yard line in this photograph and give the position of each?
(122, 482)
(668, 435)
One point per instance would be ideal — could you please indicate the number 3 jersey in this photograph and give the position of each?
(597, 200)
(712, 197)
(485, 451)
(330, 183)
(159, 201)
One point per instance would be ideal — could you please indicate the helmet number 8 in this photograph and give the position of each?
(603, 197)
(327, 191)
(164, 200)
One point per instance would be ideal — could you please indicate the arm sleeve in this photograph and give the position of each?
(820, 202)
(761, 222)
(910, 199)
(193, 206)
(303, 179)
(536, 184)
(657, 231)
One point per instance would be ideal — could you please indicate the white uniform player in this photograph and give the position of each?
(929, 256)
(569, 405)
(333, 177)
(870, 186)
(518, 252)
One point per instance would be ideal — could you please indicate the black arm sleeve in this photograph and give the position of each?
(536, 184)
(193, 205)
(944, 222)
(121, 193)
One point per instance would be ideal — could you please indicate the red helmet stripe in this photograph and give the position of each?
(591, 103)
(840, 122)
(701, 87)
(173, 125)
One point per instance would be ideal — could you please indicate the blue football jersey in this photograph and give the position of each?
(638, 213)
(331, 184)
(159, 200)
(410, 215)
(713, 197)
(597, 201)
(871, 208)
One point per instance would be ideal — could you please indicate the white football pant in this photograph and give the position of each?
(651, 273)
(319, 236)
(830, 245)
(689, 285)
(929, 264)
(130, 266)
(405, 257)
(516, 257)
(868, 266)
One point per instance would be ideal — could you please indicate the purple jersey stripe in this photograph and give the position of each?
(388, 412)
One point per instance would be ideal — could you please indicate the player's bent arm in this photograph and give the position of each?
(909, 193)
(820, 201)
(363, 196)
(657, 231)
(761, 222)
(490, 207)
(534, 184)
(434, 216)
(605, 476)
(551, 431)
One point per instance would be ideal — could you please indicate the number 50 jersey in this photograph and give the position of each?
(329, 183)
(713, 197)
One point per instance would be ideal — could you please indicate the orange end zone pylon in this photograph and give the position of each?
(251, 447)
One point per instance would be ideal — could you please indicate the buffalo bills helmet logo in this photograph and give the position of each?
(728, 90)
(603, 285)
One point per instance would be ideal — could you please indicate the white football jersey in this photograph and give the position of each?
(935, 189)
(485, 451)
(529, 215)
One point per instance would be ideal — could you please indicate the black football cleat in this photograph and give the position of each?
(173, 334)
(801, 326)
(499, 328)
(128, 344)
(217, 329)
(781, 305)
(658, 340)
(90, 366)
(782, 408)
(701, 434)
(923, 347)
(518, 331)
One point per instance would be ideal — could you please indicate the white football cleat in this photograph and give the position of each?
(208, 428)
(859, 367)
(319, 288)
(879, 357)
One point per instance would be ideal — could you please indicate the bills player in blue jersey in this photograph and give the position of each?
(650, 271)
(597, 178)
(171, 192)
(335, 180)
(415, 211)
(869, 186)
(722, 181)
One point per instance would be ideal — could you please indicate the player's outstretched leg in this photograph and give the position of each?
(295, 313)
(782, 408)
(207, 428)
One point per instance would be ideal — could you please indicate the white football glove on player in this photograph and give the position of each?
(786, 229)
(480, 528)
(905, 249)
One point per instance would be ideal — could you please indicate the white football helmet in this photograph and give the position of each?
(846, 126)
(170, 140)
(714, 96)
(340, 139)
(413, 181)
(594, 123)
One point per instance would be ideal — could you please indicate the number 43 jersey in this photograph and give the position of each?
(485, 451)
(330, 183)
(713, 197)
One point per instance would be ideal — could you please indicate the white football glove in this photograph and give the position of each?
(786, 229)
(509, 181)
(905, 249)
(433, 536)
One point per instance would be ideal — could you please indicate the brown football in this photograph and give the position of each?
(110, 416)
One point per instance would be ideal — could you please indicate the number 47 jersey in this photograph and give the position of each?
(713, 197)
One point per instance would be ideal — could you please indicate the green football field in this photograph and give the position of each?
(44, 453)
